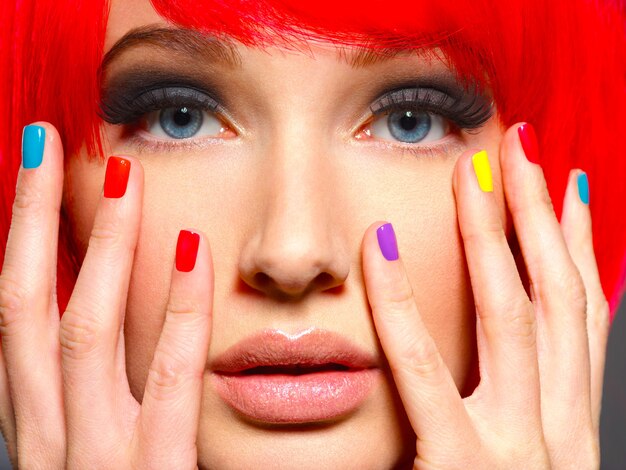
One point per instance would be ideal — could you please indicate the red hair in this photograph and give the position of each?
(559, 64)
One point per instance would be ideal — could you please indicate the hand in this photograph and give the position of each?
(541, 358)
(65, 401)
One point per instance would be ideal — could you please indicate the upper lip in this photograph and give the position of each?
(312, 348)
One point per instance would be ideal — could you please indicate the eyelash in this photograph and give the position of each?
(119, 110)
(468, 111)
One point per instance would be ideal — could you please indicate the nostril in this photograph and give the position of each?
(262, 281)
(324, 281)
(287, 290)
(285, 287)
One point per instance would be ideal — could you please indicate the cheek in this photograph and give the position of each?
(421, 205)
(435, 263)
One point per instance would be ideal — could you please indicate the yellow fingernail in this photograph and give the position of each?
(483, 171)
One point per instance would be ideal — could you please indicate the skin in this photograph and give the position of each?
(293, 189)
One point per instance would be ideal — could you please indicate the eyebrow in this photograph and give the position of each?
(193, 43)
(186, 41)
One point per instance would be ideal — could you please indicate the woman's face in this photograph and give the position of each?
(284, 178)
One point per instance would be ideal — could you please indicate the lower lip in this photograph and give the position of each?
(306, 398)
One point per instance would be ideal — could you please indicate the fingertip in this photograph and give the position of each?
(387, 242)
(464, 169)
(193, 263)
(519, 147)
(576, 217)
(41, 147)
(370, 237)
(386, 282)
(528, 141)
(582, 182)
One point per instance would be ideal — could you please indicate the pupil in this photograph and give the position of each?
(182, 117)
(408, 121)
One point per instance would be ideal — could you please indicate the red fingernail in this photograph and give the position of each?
(528, 138)
(187, 250)
(116, 178)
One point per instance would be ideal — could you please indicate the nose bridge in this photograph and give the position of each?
(295, 246)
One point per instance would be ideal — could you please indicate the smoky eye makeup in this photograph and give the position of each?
(465, 108)
(129, 96)
(416, 110)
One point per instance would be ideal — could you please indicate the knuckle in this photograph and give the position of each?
(540, 197)
(28, 202)
(520, 323)
(420, 359)
(168, 373)
(12, 301)
(488, 231)
(399, 298)
(183, 308)
(106, 236)
(78, 334)
(568, 284)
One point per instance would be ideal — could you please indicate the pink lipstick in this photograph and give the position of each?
(274, 377)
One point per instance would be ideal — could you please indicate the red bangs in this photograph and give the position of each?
(559, 64)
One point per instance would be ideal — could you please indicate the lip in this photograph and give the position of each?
(278, 378)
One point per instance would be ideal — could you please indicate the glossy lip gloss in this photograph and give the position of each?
(273, 377)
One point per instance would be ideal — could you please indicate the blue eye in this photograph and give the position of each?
(410, 126)
(183, 122)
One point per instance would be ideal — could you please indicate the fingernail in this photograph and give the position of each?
(387, 242)
(187, 250)
(33, 140)
(116, 178)
(482, 169)
(583, 187)
(528, 139)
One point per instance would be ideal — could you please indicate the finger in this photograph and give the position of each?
(576, 227)
(558, 293)
(170, 410)
(29, 319)
(92, 347)
(431, 399)
(505, 317)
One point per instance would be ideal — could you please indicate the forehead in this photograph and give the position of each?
(125, 16)
(138, 23)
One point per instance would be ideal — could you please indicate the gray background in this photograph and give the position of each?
(613, 422)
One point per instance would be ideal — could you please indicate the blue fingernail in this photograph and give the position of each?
(387, 242)
(583, 188)
(33, 140)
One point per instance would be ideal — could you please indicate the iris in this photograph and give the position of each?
(181, 122)
(409, 126)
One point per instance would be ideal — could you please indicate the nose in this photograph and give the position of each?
(296, 244)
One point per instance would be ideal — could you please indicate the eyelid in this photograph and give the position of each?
(118, 109)
(468, 111)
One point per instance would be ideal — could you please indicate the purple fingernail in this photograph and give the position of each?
(387, 242)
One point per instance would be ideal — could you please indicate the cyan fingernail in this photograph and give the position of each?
(33, 140)
(387, 242)
(583, 188)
